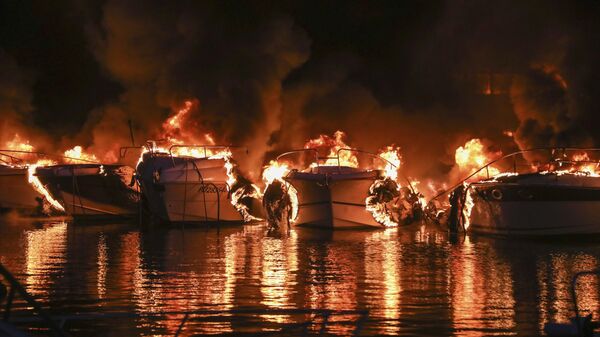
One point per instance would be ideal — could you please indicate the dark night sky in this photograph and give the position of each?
(271, 74)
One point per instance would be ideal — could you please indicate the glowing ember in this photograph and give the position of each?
(76, 154)
(335, 144)
(39, 187)
(472, 156)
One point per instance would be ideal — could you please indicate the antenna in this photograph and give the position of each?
(131, 131)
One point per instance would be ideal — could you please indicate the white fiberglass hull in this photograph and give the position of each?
(335, 202)
(536, 205)
(16, 192)
(199, 202)
(181, 189)
(82, 207)
(89, 191)
(536, 218)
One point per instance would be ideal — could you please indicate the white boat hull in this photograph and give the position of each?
(198, 202)
(536, 218)
(16, 192)
(339, 203)
(187, 190)
(536, 204)
(82, 207)
(90, 191)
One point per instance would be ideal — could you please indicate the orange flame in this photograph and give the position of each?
(473, 156)
(276, 171)
(393, 160)
(18, 144)
(335, 146)
(468, 207)
(582, 165)
(72, 155)
(181, 138)
(38, 186)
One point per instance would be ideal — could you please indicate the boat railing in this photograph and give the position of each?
(320, 159)
(204, 148)
(123, 150)
(44, 155)
(10, 160)
(293, 152)
(553, 151)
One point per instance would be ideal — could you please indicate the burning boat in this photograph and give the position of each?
(16, 192)
(334, 191)
(194, 183)
(558, 197)
(22, 191)
(92, 191)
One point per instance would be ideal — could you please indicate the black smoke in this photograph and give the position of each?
(426, 76)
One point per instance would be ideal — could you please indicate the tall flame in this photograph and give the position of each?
(276, 171)
(19, 144)
(467, 207)
(473, 156)
(181, 140)
(393, 160)
(335, 144)
(39, 187)
(373, 203)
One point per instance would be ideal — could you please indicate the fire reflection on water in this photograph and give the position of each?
(382, 266)
(102, 266)
(481, 286)
(410, 280)
(333, 282)
(45, 256)
(278, 272)
(554, 277)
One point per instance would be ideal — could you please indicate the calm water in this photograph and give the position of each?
(407, 281)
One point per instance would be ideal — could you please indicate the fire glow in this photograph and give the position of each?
(338, 153)
(472, 156)
(182, 141)
(276, 172)
(39, 187)
(336, 145)
(23, 145)
(77, 155)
